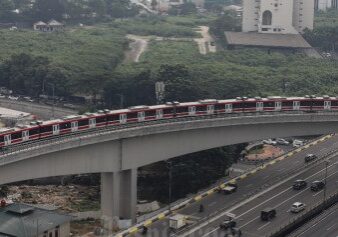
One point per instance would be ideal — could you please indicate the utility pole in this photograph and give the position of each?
(169, 166)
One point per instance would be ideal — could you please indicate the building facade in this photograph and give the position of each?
(277, 16)
(326, 4)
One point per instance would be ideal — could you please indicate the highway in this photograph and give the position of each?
(262, 181)
(324, 225)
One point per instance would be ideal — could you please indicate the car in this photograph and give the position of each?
(267, 214)
(270, 142)
(2, 96)
(282, 141)
(317, 185)
(310, 157)
(299, 184)
(226, 224)
(228, 189)
(297, 143)
(297, 207)
(11, 97)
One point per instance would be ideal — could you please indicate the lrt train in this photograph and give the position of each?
(70, 124)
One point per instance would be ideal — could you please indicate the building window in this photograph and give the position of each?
(267, 18)
(50, 234)
(56, 233)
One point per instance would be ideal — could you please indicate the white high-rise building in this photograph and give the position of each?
(277, 16)
(325, 4)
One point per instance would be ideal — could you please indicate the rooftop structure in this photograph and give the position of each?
(23, 220)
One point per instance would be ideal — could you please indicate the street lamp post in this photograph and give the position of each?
(325, 179)
(169, 166)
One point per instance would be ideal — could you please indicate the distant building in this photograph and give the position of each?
(277, 16)
(22, 220)
(326, 4)
(51, 26)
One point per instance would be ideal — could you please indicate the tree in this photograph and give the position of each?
(227, 22)
(6, 10)
(48, 9)
(153, 4)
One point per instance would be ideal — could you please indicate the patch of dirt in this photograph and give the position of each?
(267, 152)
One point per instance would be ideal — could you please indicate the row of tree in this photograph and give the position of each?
(27, 10)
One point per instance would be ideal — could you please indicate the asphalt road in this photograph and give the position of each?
(280, 198)
(324, 225)
(248, 189)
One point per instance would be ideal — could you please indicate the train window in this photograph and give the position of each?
(334, 103)
(132, 115)
(113, 117)
(306, 103)
(259, 106)
(278, 105)
(83, 122)
(228, 108)
(327, 105)
(219, 107)
(181, 110)
(168, 111)
(150, 113)
(287, 103)
(269, 104)
(296, 105)
(159, 113)
(318, 103)
(1, 139)
(140, 116)
(237, 105)
(123, 118)
(201, 108)
(47, 128)
(101, 119)
(16, 135)
(65, 125)
(33, 131)
(250, 104)
(210, 109)
(192, 110)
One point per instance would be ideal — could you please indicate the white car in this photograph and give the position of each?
(297, 143)
(297, 207)
(270, 142)
(13, 97)
(2, 96)
(282, 141)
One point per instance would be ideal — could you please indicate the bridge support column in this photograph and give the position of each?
(118, 197)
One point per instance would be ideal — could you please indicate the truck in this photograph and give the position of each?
(177, 221)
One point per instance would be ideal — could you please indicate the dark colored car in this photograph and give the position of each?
(227, 224)
(317, 185)
(268, 214)
(299, 184)
(310, 157)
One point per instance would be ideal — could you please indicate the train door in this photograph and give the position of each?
(56, 129)
(210, 109)
(259, 106)
(228, 108)
(25, 135)
(327, 105)
(192, 110)
(296, 105)
(278, 105)
(140, 116)
(7, 139)
(159, 114)
(74, 126)
(123, 118)
(92, 123)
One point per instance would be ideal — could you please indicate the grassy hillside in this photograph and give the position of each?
(78, 51)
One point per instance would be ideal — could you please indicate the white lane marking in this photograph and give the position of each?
(323, 149)
(310, 227)
(331, 226)
(279, 203)
(317, 193)
(248, 200)
(264, 225)
(210, 232)
(280, 170)
(212, 203)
